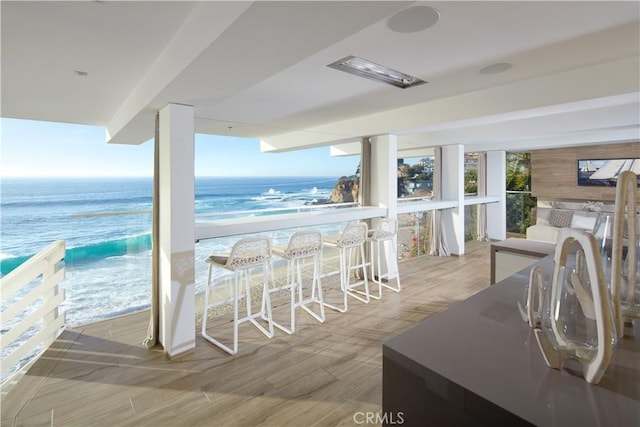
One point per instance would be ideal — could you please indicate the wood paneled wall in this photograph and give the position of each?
(554, 172)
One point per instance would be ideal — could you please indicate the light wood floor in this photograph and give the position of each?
(100, 375)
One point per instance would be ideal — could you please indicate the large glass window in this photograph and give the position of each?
(63, 182)
(233, 176)
(471, 189)
(415, 184)
(414, 234)
(415, 177)
(235, 180)
(519, 199)
(471, 174)
(106, 225)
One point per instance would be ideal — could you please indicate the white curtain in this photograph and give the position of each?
(438, 241)
(364, 186)
(364, 189)
(154, 321)
(481, 224)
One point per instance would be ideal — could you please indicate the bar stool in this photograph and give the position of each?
(247, 255)
(385, 232)
(352, 239)
(302, 246)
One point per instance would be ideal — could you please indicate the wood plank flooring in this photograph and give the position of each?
(100, 375)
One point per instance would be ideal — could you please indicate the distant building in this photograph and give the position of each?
(470, 161)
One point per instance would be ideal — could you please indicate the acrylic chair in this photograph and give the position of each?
(247, 256)
(303, 246)
(351, 242)
(384, 237)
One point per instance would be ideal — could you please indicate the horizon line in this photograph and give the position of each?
(151, 176)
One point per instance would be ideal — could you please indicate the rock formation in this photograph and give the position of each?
(345, 191)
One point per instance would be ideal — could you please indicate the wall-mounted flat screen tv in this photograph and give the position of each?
(604, 172)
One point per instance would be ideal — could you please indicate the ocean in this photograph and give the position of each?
(106, 225)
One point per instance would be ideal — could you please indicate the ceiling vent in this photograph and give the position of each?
(370, 70)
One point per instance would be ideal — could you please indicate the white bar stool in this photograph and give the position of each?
(352, 239)
(385, 232)
(247, 255)
(303, 245)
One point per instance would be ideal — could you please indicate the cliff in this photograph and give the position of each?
(346, 190)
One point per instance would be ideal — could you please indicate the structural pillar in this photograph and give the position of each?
(177, 229)
(497, 186)
(453, 189)
(384, 173)
(384, 186)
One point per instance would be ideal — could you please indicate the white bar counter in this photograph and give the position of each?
(259, 224)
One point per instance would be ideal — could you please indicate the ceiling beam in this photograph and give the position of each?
(204, 25)
(525, 98)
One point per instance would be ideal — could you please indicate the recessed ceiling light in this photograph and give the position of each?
(371, 70)
(81, 73)
(499, 67)
(413, 19)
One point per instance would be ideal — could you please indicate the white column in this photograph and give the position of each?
(177, 229)
(453, 189)
(384, 186)
(497, 186)
(384, 174)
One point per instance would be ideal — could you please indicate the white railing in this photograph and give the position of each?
(295, 218)
(275, 211)
(37, 308)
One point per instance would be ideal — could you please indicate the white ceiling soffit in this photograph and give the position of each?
(267, 39)
(259, 69)
(44, 43)
(500, 111)
(586, 84)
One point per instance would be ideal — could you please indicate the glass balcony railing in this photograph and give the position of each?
(519, 204)
(471, 222)
(414, 234)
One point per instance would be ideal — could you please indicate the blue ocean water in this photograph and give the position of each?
(106, 225)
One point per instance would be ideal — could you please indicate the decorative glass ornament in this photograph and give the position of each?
(624, 275)
(576, 317)
(531, 305)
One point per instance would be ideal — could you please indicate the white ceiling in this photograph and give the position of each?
(258, 69)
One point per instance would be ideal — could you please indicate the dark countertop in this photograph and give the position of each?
(483, 345)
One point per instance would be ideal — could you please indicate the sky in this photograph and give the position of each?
(39, 149)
